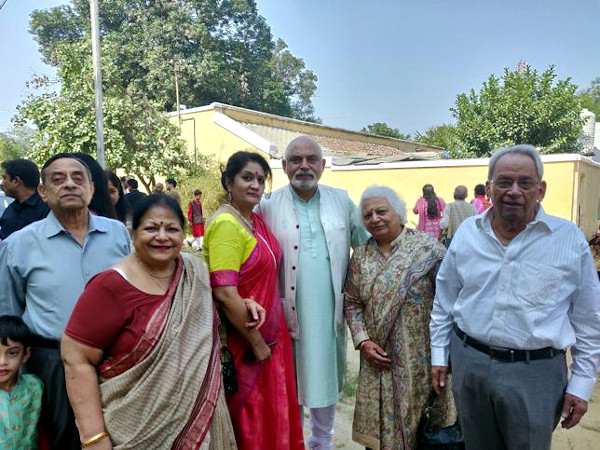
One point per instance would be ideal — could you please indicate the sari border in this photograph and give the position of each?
(220, 278)
(193, 433)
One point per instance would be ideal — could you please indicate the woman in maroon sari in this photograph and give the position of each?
(141, 349)
(243, 258)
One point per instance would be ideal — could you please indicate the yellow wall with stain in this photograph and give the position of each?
(563, 195)
(573, 191)
(211, 139)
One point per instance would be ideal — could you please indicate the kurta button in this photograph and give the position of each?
(292, 288)
(297, 226)
(295, 247)
(293, 267)
(293, 308)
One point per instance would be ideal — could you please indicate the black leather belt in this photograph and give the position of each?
(507, 354)
(39, 341)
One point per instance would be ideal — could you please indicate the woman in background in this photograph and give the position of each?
(101, 204)
(117, 197)
(430, 209)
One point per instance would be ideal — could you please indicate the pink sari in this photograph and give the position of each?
(264, 412)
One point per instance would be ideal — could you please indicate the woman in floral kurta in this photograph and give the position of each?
(389, 296)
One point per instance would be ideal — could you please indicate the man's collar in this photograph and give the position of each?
(484, 221)
(32, 199)
(54, 227)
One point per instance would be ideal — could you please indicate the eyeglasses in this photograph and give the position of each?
(524, 184)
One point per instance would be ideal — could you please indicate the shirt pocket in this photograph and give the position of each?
(538, 285)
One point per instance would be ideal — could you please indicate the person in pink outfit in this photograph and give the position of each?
(430, 209)
(480, 202)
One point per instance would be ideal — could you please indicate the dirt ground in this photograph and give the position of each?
(585, 436)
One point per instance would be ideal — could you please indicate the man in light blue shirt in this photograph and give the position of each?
(516, 288)
(44, 268)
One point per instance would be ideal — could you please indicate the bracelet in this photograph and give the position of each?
(94, 439)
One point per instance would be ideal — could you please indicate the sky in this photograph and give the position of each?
(402, 62)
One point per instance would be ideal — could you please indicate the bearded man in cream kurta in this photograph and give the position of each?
(315, 226)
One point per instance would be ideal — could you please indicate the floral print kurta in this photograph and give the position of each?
(389, 300)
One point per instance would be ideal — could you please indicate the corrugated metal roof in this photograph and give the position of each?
(333, 146)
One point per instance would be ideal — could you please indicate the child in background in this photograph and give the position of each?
(20, 395)
(196, 219)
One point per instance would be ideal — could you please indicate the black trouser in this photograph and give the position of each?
(57, 415)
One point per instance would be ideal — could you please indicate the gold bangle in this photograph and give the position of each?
(94, 439)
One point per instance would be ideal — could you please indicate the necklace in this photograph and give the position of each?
(249, 223)
(150, 272)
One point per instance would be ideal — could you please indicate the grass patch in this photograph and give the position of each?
(349, 390)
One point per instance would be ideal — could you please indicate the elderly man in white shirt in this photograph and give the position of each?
(517, 287)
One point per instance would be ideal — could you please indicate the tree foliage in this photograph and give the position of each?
(15, 144)
(590, 98)
(444, 136)
(383, 129)
(523, 106)
(216, 50)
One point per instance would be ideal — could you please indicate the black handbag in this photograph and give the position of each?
(430, 438)
(230, 382)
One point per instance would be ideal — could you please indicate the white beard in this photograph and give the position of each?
(304, 185)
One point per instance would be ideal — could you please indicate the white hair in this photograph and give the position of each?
(522, 149)
(302, 139)
(387, 193)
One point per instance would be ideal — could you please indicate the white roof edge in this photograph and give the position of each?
(564, 157)
(193, 110)
(244, 133)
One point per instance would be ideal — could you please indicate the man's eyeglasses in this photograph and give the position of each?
(524, 184)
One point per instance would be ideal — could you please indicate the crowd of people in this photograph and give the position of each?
(128, 342)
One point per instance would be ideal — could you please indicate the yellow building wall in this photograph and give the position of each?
(408, 182)
(210, 138)
(586, 204)
(573, 191)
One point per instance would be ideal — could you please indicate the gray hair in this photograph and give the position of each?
(460, 192)
(522, 149)
(302, 139)
(387, 193)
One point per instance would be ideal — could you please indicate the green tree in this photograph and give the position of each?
(218, 51)
(590, 98)
(442, 136)
(138, 136)
(523, 106)
(299, 84)
(383, 129)
(16, 143)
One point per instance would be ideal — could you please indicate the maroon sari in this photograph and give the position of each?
(162, 393)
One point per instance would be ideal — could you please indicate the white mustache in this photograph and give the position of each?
(305, 172)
